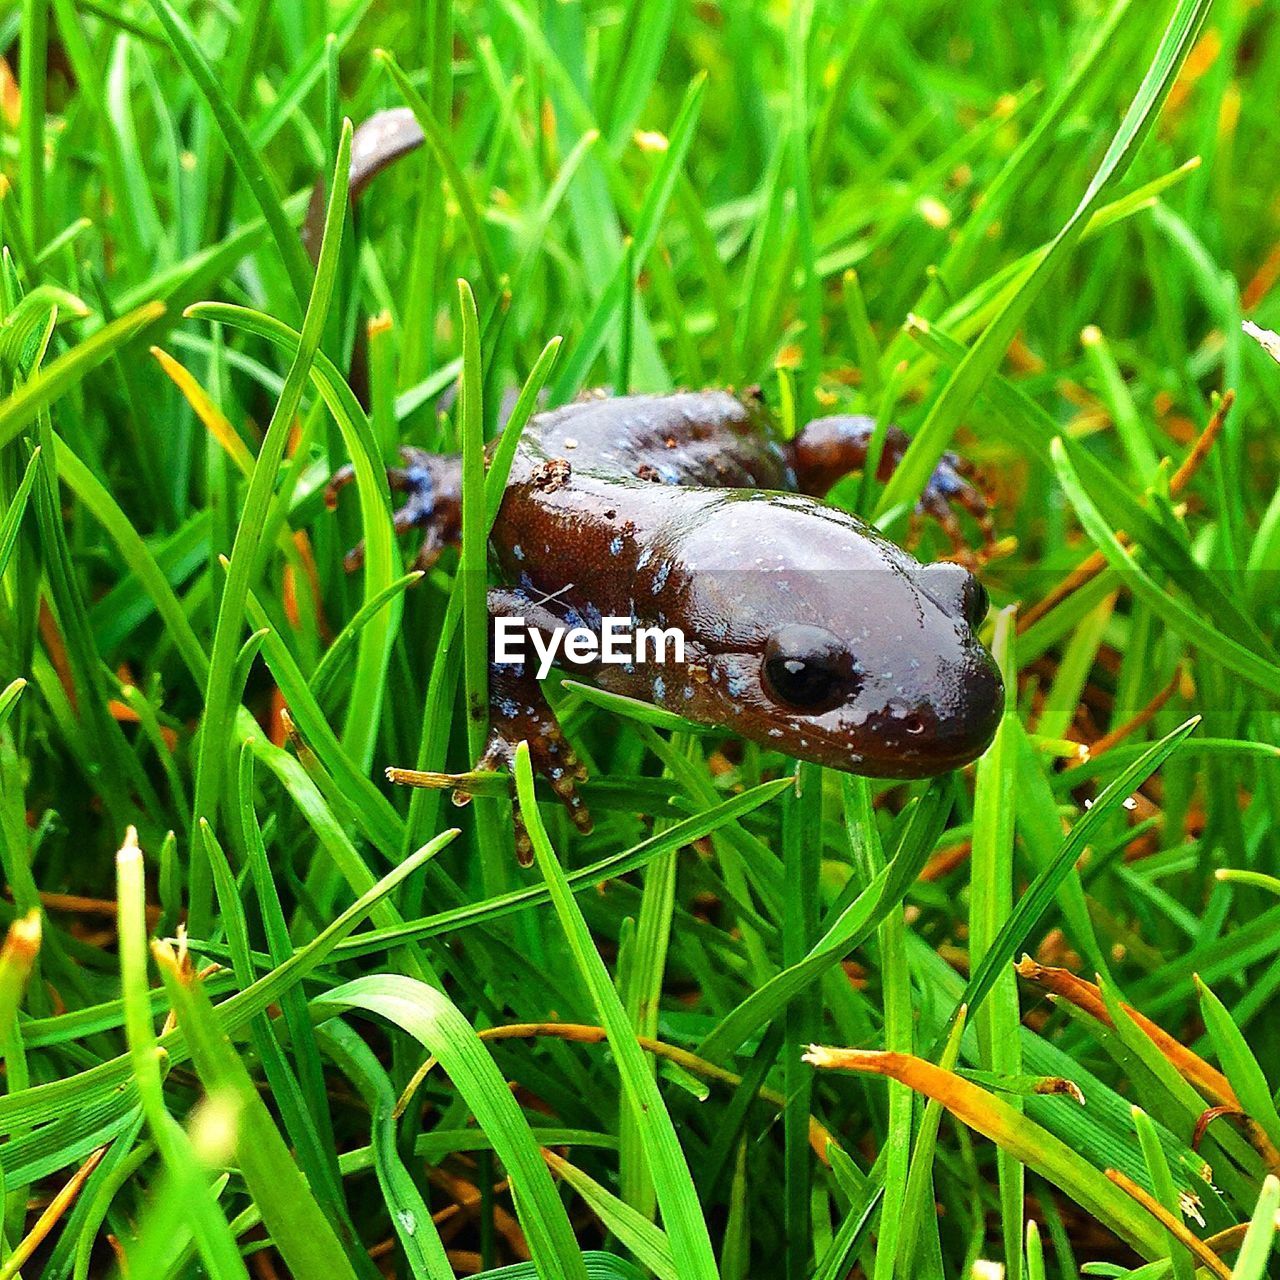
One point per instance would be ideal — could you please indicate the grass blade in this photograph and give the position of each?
(1026, 1140)
(241, 149)
(244, 554)
(1254, 1253)
(1033, 904)
(20, 408)
(298, 1227)
(681, 1212)
(432, 1019)
(935, 432)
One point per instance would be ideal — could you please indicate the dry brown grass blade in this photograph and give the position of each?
(1088, 569)
(1262, 281)
(1085, 995)
(584, 1033)
(1132, 725)
(77, 905)
(21, 946)
(1229, 1240)
(1022, 1137)
(53, 1213)
(475, 782)
(1200, 450)
(1141, 1196)
(1207, 1117)
(467, 1202)
(946, 860)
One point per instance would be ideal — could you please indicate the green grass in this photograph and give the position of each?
(263, 1014)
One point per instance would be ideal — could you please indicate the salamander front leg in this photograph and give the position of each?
(829, 448)
(519, 712)
(433, 483)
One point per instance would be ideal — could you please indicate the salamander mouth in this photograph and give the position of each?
(925, 763)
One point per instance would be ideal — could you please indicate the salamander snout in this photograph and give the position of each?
(960, 716)
(902, 689)
(956, 591)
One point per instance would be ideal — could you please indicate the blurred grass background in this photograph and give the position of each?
(1030, 232)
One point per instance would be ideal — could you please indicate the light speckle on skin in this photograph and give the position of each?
(615, 547)
(687, 692)
(659, 688)
(737, 685)
(660, 578)
(518, 551)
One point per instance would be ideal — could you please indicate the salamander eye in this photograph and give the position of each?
(957, 591)
(976, 603)
(807, 668)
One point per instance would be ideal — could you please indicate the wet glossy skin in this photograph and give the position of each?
(805, 630)
(674, 510)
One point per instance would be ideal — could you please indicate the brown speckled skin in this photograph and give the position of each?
(715, 540)
(686, 510)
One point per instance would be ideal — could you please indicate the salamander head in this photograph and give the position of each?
(810, 633)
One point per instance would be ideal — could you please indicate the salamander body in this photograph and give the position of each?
(804, 628)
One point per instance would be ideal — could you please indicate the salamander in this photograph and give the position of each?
(805, 629)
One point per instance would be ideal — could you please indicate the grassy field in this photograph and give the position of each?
(262, 1014)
